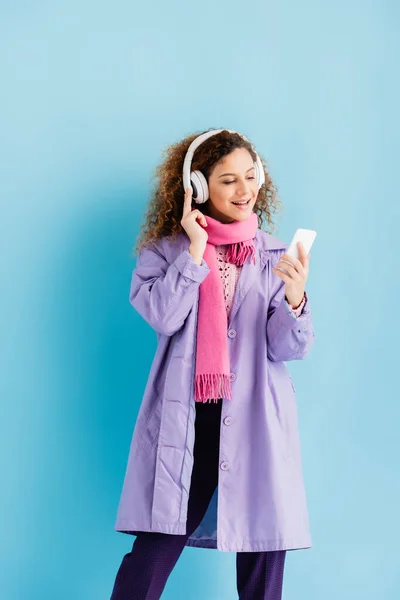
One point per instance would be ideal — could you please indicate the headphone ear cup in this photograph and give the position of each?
(260, 176)
(200, 187)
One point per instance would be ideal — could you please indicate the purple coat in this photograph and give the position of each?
(260, 497)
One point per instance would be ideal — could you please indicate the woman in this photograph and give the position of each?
(215, 456)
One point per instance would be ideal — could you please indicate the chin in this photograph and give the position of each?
(243, 217)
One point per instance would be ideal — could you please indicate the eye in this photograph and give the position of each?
(228, 182)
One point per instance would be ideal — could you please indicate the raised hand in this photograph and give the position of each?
(197, 235)
(294, 272)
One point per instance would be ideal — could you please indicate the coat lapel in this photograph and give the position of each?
(251, 271)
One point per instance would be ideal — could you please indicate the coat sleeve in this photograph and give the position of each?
(288, 337)
(164, 293)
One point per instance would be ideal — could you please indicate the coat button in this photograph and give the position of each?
(232, 377)
(228, 420)
(231, 333)
(224, 466)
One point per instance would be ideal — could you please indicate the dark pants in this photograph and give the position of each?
(144, 571)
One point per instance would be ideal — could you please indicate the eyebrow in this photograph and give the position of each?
(234, 173)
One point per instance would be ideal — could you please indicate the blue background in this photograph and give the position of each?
(92, 92)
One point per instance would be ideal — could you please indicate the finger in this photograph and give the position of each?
(187, 204)
(302, 253)
(280, 274)
(301, 248)
(199, 215)
(295, 262)
(188, 195)
(286, 271)
(286, 261)
(295, 270)
(290, 260)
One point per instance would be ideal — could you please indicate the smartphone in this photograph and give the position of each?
(306, 236)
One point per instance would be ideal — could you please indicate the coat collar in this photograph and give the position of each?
(266, 241)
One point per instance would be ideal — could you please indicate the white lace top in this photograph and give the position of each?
(230, 275)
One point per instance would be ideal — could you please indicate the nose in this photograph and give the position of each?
(244, 190)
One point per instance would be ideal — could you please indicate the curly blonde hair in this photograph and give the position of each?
(165, 207)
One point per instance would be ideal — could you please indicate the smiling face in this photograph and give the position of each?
(232, 180)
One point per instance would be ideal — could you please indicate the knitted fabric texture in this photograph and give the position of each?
(229, 273)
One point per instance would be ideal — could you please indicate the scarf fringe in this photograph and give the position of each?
(212, 387)
(239, 252)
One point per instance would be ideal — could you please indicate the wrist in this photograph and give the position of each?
(296, 304)
(197, 252)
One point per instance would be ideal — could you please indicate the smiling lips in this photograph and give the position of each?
(242, 205)
(241, 202)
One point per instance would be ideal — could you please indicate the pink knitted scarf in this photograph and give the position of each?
(212, 380)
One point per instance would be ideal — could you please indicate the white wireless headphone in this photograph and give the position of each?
(196, 178)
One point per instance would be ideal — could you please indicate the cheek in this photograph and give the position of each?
(224, 191)
(255, 190)
(222, 196)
